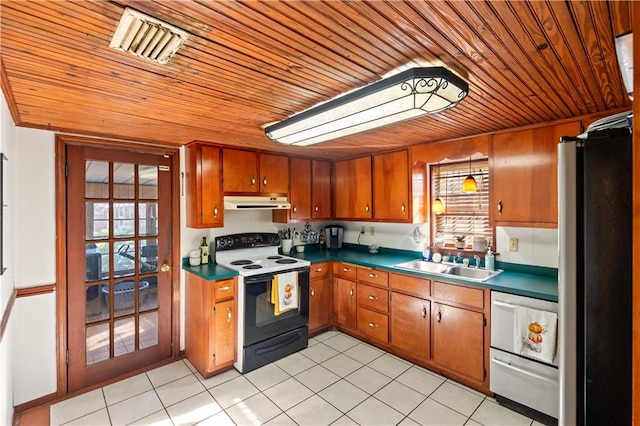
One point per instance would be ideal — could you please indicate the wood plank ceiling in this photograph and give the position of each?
(248, 63)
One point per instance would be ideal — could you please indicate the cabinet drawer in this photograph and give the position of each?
(373, 324)
(414, 285)
(345, 270)
(224, 289)
(373, 276)
(372, 297)
(319, 270)
(459, 294)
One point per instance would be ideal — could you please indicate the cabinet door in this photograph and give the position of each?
(300, 192)
(391, 186)
(204, 189)
(524, 175)
(319, 303)
(352, 189)
(240, 170)
(410, 319)
(274, 174)
(222, 334)
(320, 189)
(344, 301)
(458, 340)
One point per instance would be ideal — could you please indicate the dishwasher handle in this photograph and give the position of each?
(521, 371)
(504, 304)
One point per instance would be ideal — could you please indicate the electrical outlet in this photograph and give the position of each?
(373, 231)
(363, 230)
(513, 244)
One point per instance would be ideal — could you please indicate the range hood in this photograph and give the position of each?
(255, 203)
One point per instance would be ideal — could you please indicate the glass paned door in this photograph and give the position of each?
(119, 289)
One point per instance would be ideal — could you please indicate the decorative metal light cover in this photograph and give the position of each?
(409, 94)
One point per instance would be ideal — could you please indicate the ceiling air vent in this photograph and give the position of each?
(147, 37)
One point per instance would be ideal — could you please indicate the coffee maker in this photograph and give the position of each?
(334, 236)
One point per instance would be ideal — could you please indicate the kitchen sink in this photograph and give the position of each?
(423, 266)
(471, 273)
(457, 271)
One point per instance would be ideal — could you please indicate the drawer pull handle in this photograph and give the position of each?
(372, 325)
(372, 275)
(424, 312)
(345, 269)
(318, 270)
(351, 292)
(371, 297)
(439, 316)
(500, 207)
(313, 293)
(225, 288)
(228, 314)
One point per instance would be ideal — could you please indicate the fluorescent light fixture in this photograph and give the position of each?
(624, 52)
(409, 94)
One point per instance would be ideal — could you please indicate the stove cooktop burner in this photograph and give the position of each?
(242, 262)
(286, 261)
(274, 257)
(252, 267)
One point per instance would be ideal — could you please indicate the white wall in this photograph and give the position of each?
(536, 246)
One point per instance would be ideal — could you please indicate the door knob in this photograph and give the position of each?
(165, 268)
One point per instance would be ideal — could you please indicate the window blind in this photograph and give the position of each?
(465, 213)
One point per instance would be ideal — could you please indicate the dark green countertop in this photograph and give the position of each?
(540, 283)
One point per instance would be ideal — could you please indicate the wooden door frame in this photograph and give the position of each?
(61, 241)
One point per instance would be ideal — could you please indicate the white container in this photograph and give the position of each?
(193, 254)
(300, 248)
(479, 244)
(194, 261)
(286, 246)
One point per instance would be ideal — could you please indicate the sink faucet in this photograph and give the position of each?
(477, 259)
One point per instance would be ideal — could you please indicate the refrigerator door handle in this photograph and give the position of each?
(521, 371)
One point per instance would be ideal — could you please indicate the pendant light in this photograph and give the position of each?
(469, 184)
(438, 206)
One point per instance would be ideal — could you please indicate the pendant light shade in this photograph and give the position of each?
(469, 184)
(409, 94)
(438, 206)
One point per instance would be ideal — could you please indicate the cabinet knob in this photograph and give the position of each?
(215, 211)
(228, 314)
(372, 297)
(264, 181)
(295, 209)
(351, 292)
(318, 270)
(366, 208)
(424, 312)
(313, 293)
(403, 209)
(439, 316)
(372, 325)
(253, 181)
(317, 209)
(500, 207)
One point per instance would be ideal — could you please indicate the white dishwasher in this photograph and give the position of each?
(516, 375)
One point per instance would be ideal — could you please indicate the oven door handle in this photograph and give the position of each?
(525, 372)
(503, 304)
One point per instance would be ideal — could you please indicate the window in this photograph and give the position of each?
(465, 214)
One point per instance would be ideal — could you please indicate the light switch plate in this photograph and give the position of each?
(513, 244)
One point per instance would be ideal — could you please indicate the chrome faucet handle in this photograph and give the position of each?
(477, 259)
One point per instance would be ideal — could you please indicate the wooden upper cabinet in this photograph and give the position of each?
(274, 174)
(524, 176)
(300, 192)
(203, 185)
(250, 171)
(391, 199)
(240, 170)
(320, 189)
(352, 189)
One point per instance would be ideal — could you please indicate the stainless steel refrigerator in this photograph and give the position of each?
(595, 273)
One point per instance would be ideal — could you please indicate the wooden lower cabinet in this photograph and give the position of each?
(344, 303)
(458, 340)
(319, 297)
(210, 324)
(373, 308)
(411, 325)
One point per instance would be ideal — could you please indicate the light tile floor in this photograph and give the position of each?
(337, 380)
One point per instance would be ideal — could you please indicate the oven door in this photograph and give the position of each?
(260, 320)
